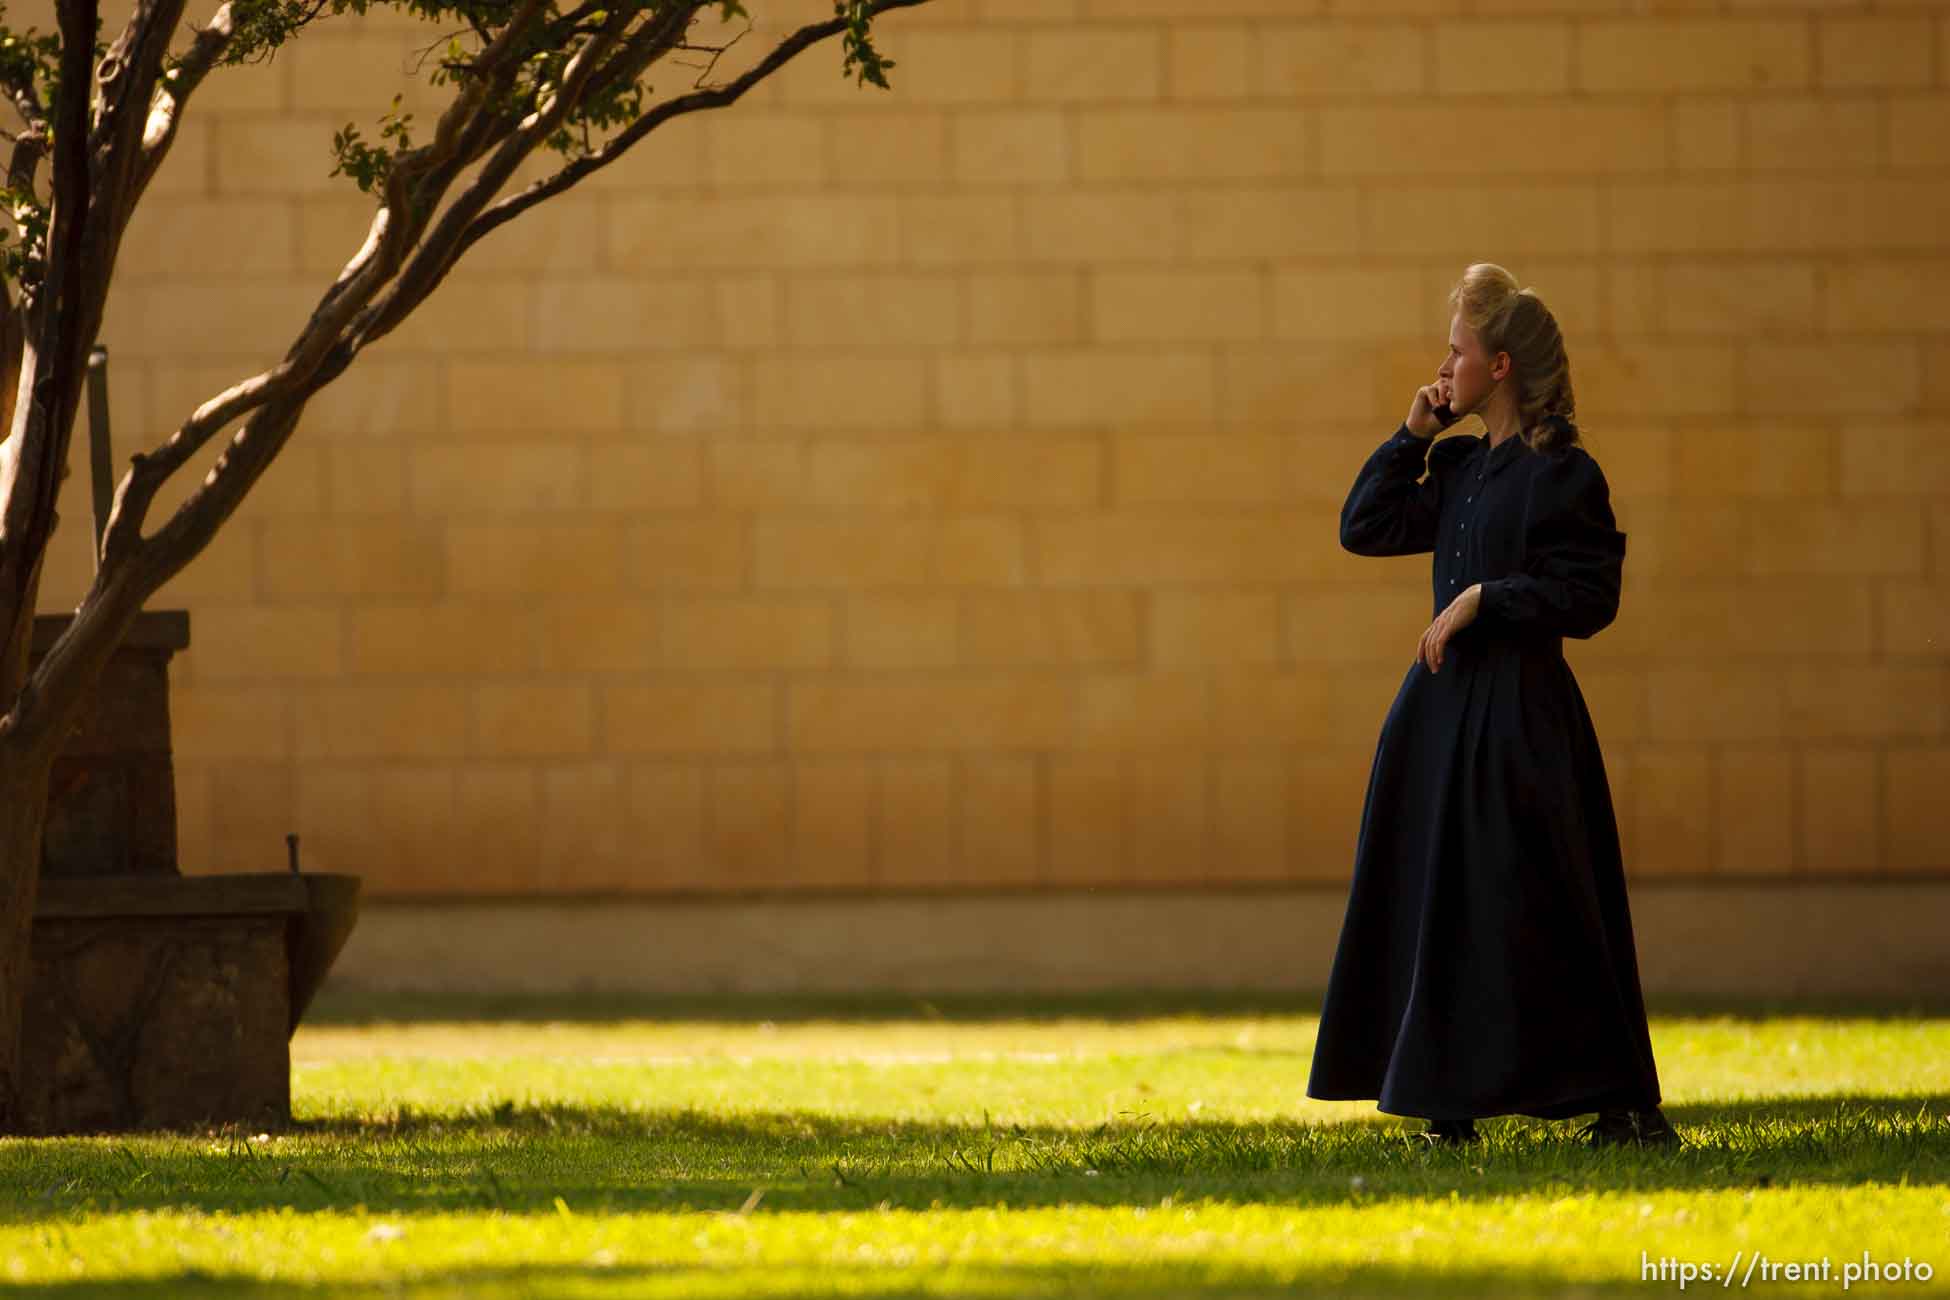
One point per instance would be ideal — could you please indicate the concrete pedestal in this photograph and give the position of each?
(158, 1000)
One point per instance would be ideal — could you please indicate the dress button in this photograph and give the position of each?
(1459, 555)
(1465, 528)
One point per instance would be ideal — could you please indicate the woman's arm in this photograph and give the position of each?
(1387, 512)
(1574, 555)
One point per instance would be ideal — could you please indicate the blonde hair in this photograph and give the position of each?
(1516, 321)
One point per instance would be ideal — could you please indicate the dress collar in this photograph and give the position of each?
(1492, 460)
(1495, 459)
(1511, 448)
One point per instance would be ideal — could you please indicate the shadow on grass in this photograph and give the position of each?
(897, 1282)
(520, 1159)
(351, 1007)
(357, 1007)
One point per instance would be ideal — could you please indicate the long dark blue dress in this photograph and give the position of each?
(1486, 965)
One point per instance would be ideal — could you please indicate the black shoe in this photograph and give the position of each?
(1451, 1132)
(1646, 1128)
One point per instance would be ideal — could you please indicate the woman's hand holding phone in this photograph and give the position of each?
(1430, 414)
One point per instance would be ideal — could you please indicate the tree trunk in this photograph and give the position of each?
(23, 814)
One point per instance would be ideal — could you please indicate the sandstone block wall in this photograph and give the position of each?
(938, 489)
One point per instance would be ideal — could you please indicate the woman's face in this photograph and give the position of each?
(1467, 376)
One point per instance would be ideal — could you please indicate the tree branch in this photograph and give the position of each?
(125, 79)
(437, 253)
(26, 101)
(116, 596)
(34, 456)
(30, 146)
(465, 127)
(173, 92)
(716, 97)
(350, 315)
(394, 229)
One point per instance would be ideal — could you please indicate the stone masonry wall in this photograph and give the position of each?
(938, 489)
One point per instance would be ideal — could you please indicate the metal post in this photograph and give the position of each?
(98, 448)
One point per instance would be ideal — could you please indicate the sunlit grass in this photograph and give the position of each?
(1134, 1146)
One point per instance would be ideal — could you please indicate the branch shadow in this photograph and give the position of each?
(349, 1007)
(521, 1159)
(1160, 1279)
(356, 1007)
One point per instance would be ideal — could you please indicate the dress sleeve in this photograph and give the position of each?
(1387, 512)
(1574, 555)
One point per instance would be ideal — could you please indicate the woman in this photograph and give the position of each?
(1486, 965)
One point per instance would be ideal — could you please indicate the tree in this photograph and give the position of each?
(528, 75)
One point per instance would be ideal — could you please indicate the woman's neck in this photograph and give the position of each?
(1502, 421)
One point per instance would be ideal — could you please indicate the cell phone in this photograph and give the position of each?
(1444, 415)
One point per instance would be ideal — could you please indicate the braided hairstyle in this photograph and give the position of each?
(1513, 320)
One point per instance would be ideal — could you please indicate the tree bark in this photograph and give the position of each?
(97, 180)
(23, 813)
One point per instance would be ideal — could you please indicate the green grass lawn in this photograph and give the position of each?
(1130, 1146)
